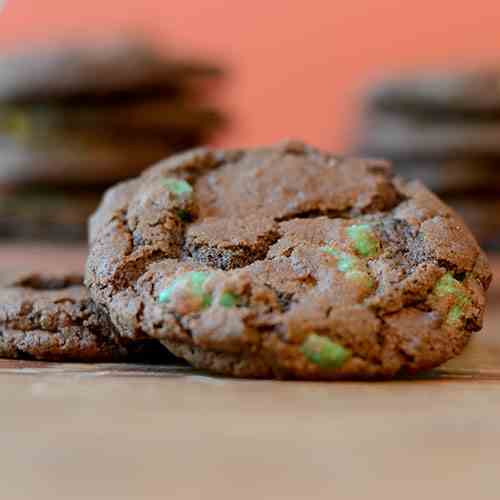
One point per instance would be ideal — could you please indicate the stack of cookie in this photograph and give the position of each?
(444, 129)
(76, 119)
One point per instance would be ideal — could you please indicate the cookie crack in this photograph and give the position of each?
(316, 213)
(230, 256)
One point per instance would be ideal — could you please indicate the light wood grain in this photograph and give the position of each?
(82, 435)
(135, 432)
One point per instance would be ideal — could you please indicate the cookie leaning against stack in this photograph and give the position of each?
(442, 128)
(287, 262)
(52, 318)
(76, 119)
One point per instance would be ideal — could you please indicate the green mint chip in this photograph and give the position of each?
(455, 315)
(352, 266)
(364, 240)
(345, 262)
(323, 352)
(361, 277)
(196, 281)
(192, 283)
(166, 294)
(330, 251)
(229, 299)
(448, 286)
(177, 186)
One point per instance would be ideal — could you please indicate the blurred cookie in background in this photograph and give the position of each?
(75, 119)
(113, 68)
(443, 128)
(449, 176)
(408, 137)
(473, 92)
(45, 212)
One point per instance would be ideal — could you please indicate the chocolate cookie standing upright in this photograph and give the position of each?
(287, 262)
(51, 318)
(78, 118)
(443, 128)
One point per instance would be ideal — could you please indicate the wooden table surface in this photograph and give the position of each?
(133, 432)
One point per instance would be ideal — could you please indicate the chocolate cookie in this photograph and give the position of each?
(46, 213)
(83, 158)
(399, 137)
(155, 116)
(287, 262)
(452, 176)
(52, 318)
(118, 67)
(453, 93)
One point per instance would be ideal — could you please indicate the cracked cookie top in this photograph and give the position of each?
(287, 261)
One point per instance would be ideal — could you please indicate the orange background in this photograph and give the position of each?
(296, 65)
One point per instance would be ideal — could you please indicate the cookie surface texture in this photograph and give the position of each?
(287, 262)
